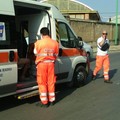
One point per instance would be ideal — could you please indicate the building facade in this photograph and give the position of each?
(74, 9)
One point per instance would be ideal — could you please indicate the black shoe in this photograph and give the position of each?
(108, 81)
(51, 103)
(93, 77)
(42, 105)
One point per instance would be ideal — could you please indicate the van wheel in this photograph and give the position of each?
(80, 76)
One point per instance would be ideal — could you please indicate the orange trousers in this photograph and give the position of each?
(46, 81)
(102, 61)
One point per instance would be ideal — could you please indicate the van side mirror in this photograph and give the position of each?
(80, 42)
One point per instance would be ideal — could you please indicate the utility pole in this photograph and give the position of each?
(116, 30)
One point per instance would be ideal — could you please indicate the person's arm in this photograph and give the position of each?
(34, 50)
(57, 50)
(102, 42)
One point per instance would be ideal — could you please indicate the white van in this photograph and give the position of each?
(29, 17)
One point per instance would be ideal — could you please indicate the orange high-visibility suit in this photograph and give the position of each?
(46, 54)
(102, 59)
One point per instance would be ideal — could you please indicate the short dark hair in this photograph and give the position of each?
(44, 31)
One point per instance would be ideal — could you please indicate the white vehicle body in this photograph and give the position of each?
(71, 63)
(89, 50)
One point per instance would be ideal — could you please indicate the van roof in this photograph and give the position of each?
(6, 7)
(40, 6)
(32, 4)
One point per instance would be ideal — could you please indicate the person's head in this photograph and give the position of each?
(104, 34)
(44, 31)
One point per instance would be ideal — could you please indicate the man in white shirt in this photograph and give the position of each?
(102, 57)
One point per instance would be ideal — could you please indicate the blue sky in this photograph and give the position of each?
(106, 8)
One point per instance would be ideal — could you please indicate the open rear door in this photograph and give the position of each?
(8, 51)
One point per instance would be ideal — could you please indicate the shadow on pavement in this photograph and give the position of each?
(112, 73)
(10, 102)
(62, 91)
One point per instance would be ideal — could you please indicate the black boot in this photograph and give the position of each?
(93, 76)
(108, 81)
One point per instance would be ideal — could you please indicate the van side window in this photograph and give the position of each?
(67, 37)
(7, 32)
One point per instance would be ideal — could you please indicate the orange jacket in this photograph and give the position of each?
(46, 49)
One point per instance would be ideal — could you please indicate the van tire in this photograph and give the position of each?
(80, 76)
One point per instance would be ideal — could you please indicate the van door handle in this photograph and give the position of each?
(11, 56)
(60, 52)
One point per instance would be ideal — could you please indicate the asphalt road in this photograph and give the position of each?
(94, 101)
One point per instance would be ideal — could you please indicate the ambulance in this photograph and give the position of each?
(27, 17)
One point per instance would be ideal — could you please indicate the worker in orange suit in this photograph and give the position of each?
(102, 57)
(46, 51)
